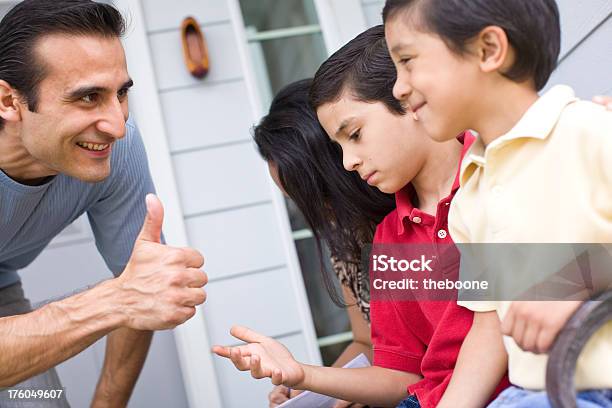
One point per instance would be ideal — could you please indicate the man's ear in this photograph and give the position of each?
(493, 49)
(10, 104)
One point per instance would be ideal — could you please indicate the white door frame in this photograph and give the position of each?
(340, 20)
(293, 264)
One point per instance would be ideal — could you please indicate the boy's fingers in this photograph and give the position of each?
(294, 393)
(241, 363)
(279, 394)
(282, 389)
(274, 404)
(221, 351)
(598, 99)
(256, 369)
(246, 334)
(253, 366)
(544, 341)
(530, 337)
(235, 357)
(508, 323)
(277, 376)
(518, 331)
(603, 100)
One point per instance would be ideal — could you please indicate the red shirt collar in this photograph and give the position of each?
(406, 196)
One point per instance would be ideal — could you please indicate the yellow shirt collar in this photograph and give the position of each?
(537, 122)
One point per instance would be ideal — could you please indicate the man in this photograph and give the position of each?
(66, 147)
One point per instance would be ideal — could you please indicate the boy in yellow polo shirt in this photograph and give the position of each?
(540, 170)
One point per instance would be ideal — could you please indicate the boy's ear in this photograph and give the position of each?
(493, 49)
(10, 104)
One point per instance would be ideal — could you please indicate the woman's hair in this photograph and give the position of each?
(338, 206)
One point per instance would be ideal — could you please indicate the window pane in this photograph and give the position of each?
(266, 15)
(329, 354)
(287, 60)
(328, 317)
(295, 216)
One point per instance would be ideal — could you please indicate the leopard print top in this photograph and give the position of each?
(352, 275)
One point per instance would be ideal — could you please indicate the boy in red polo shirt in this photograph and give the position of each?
(419, 336)
(415, 343)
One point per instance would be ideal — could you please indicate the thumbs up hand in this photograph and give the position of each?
(161, 285)
(152, 225)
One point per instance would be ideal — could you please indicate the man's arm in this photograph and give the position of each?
(126, 351)
(481, 364)
(34, 342)
(158, 290)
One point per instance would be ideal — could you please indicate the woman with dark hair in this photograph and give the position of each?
(341, 210)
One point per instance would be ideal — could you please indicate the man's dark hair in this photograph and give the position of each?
(532, 28)
(338, 206)
(30, 20)
(363, 67)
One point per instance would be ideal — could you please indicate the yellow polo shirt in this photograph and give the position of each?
(548, 180)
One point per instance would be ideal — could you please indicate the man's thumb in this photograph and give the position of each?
(152, 226)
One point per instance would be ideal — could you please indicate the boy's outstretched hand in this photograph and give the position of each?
(263, 356)
(535, 325)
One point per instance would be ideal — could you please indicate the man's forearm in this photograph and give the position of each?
(371, 385)
(126, 351)
(34, 342)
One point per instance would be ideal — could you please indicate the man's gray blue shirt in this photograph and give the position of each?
(31, 216)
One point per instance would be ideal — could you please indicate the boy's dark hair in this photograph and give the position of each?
(532, 28)
(338, 206)
(30, 20)
(364, 67)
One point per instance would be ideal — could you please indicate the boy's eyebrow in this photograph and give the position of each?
(397, 48)
(87, 90)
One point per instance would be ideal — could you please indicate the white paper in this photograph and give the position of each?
(309, 399)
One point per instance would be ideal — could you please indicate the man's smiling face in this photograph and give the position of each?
(82, 105)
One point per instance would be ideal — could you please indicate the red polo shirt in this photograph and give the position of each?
(419, 337)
